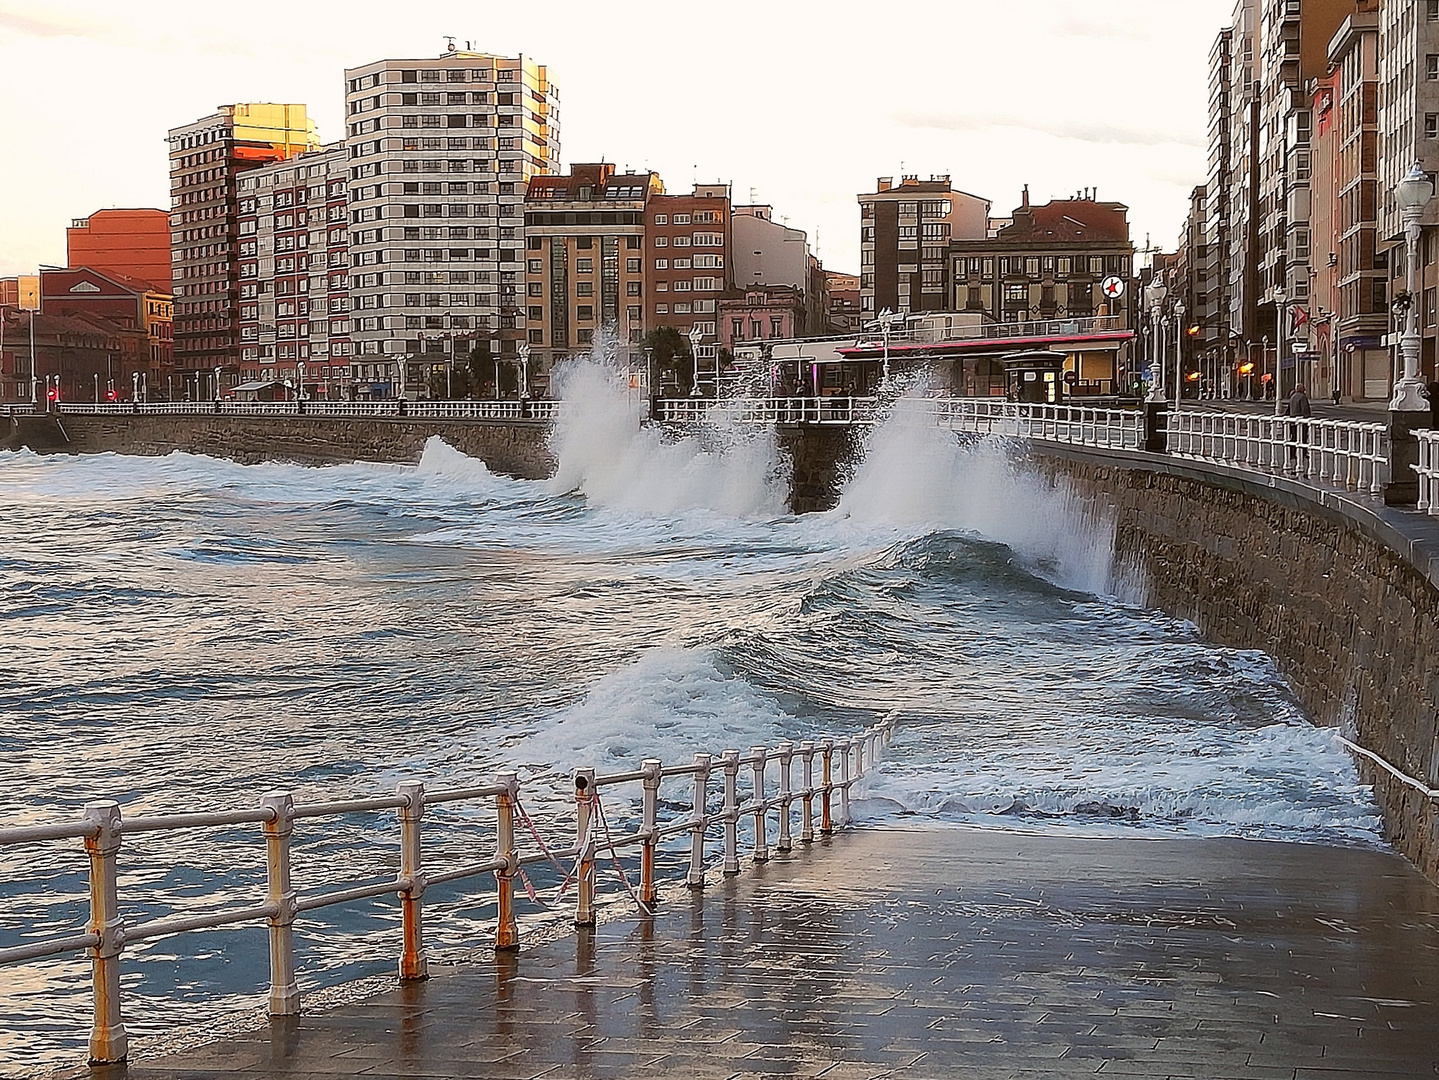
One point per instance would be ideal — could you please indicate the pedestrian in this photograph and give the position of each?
(1298, 440)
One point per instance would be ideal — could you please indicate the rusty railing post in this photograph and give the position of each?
(761, 840)
(284, 991)
(584, 825)
(696, 879)
(844, 752)
(650, 827)
(108, 1042)
(806, 824)
(412, 881)
(507, 930)
(730, 764)
(786, 758)
(826, 794)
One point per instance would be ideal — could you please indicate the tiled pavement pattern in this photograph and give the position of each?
(934, 952)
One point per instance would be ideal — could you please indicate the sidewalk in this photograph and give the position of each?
(932, 952)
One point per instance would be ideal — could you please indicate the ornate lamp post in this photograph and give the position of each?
(217, 383)
(696, 335)
(1413, 194)
(1179, 311)
(886, 322)
(1154, 295)
(300, 378)
(524, 351)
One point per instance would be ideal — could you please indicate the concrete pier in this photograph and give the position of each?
(932, 952)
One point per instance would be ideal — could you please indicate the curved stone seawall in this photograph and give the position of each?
(1343, 593)
(514, 447)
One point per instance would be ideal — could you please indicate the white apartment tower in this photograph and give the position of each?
(440, 153)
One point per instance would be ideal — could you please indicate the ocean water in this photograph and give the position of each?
(182, 633)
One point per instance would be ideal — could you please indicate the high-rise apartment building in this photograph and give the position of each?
(1241, 201)
(584, 262)
(1409, 134)
(207, 158)
(1213, 272)
(1349, 313)
(441, 152)
(133, 243)
(1294, 40)
(688, 247)
(905, 232)
(294, 280)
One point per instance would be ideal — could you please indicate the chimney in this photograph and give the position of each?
(886, 182)
(1025, 203)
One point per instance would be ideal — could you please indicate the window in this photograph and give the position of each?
(632, 288)
(586, 313)
(536, 266)
(662, 241)
(682, 241)
(632, 266)
(1431, 125)
(663, 219)
(584, 288)
(1431, 10)
(1431, 67)
(584, 266)
(682, 219)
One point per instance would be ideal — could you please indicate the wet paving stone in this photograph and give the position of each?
(931, 953)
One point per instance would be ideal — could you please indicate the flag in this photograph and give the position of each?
(1300, 317)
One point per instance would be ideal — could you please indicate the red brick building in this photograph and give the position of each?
(77, 357)
(688, 241)
(131, 243)
(122, 302)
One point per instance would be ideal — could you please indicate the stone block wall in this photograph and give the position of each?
(513, 447)
(1337, 591)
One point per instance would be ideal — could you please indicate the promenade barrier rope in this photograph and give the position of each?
(103, 829)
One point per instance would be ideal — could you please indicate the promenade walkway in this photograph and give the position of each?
(932, 952)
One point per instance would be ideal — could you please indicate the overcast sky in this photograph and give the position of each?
(801, 103)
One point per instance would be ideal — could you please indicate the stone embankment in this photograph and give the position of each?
(1343, 593)
(514, 447)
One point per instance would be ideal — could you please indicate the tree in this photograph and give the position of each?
(669, 350)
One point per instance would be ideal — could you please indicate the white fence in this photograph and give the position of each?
(782, 410)
(424, 410)
(1428, 471)
(829, 768)
(1345, 453)
(1117, 429)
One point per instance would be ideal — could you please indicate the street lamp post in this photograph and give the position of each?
(886, 327)
(217, 383)
(1155, 294)
(134, 386)
(696, 335)
(1281, 338)
(1179, 311)
(524, 351)
(1413, 194)
(300, 379)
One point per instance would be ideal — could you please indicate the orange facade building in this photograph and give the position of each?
(132, 243)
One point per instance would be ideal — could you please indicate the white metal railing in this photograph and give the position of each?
(1078, 425)
(829, 768)
(779, 410)
(431, 410)
(1345, 453)
(1428, 470)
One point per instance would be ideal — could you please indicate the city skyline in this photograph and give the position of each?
(1051, 124)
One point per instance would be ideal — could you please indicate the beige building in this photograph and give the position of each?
(441, 151)
(584, 264)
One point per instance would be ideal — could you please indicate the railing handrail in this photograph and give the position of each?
(103, 828)
(1348, 454)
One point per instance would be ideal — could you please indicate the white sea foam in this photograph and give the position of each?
(916, 478)
(669, 704)
(605, 454)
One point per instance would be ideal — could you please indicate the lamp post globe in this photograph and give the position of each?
(1413, 194)
(1154, 295)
